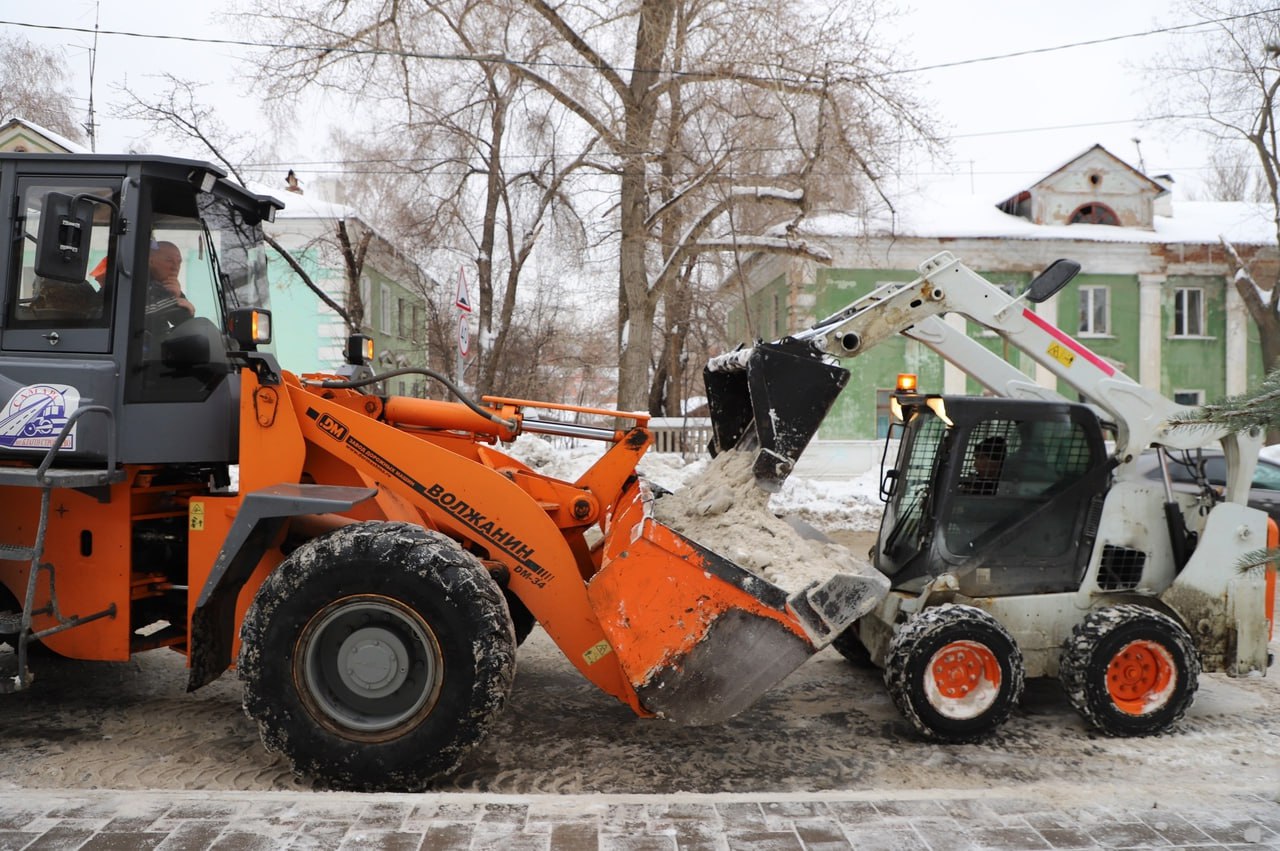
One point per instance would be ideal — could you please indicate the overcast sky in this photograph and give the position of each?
(998, 113)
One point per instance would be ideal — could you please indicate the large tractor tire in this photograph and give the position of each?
(1130, 670)
(955, 673)
(375, 656)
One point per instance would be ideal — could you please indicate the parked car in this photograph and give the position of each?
(1265, 493)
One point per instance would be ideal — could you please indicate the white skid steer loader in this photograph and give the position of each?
(1017, 543)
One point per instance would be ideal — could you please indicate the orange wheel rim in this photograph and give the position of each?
(1141, 677)
(963, 679)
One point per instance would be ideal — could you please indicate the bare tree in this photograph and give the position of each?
(706, 121)
(181, 115)
(34, 86)
(721, 117)
(464, 159)
(1230, 75)
(1234, 175)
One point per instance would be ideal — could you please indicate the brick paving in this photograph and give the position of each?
(103, 820)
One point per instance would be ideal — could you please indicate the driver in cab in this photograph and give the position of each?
(165, 299)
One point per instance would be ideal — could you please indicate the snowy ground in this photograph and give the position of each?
(829, 726)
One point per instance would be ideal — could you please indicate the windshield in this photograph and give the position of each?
(238, 254)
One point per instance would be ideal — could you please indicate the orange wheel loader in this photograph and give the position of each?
(378, 559)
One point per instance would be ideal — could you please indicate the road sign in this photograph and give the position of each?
(464, 335)
(463, 299)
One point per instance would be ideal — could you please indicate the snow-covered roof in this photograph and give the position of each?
(56, 138)
(969, 216)
(303, 206)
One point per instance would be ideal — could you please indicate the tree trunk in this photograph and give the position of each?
(636, 306)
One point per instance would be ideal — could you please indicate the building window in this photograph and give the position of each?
(1094, 214)
(883, 419)
(1095, 311)
(1194, 398)
(366, 301)
(402, 318)
(1188, 312)
(415, 332)
(384, 305)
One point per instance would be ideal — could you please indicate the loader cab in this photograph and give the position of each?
(83, 321)
(1003, 494)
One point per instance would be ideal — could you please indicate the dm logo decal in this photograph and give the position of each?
(35, 415)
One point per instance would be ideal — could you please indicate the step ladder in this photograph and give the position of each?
(17, 625)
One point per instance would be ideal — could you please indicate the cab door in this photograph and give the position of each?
(56, 349)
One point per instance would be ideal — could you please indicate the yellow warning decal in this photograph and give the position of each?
(597, 652)
(1061, 354)
(195, 515)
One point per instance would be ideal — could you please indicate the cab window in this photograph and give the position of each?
(45, 303)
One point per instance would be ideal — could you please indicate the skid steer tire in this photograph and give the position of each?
(848, 645)
(1130, 670)
(954, 672)
(376, 656)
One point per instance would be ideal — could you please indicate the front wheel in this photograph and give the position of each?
(374, 657)
(1130, 670)
(954, 672)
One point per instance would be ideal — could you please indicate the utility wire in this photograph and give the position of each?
(465, 57)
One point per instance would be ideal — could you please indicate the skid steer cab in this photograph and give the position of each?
(375, 563)
(1018, 546)
(1019, 535)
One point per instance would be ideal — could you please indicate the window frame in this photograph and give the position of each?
(1086, 293)
(384, 308)
(1181, 314)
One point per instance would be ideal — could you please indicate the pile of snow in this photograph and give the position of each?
(829, 505)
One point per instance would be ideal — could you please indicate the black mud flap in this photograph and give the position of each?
(774, 406)
(261, 516)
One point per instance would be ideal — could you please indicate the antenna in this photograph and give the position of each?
(92, 126)
(1137, 143)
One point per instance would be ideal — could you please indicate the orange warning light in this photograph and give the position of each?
(906, 382)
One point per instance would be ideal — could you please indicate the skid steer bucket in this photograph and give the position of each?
(770, 399)
(699, 638)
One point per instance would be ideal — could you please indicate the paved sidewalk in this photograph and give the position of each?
(937, 821)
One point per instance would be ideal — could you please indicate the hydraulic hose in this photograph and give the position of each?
(357, 383)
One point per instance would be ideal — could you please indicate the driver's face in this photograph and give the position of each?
(166, 261)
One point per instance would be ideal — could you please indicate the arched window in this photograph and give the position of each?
(1094, 213)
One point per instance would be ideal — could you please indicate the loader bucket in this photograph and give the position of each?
(699, 638)
(771, 400)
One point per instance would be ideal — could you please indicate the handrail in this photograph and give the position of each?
(66, 430)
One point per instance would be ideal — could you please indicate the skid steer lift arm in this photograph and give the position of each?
(742, 385)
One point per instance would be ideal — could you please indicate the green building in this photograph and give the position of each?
(1156, 295)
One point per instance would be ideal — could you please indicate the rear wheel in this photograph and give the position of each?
(1130, 670)
(955, 673)
(374, 657)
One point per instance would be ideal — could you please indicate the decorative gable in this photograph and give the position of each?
(1096, 187)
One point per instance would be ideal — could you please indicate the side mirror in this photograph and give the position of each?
(1051, 280)
(62, 245)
